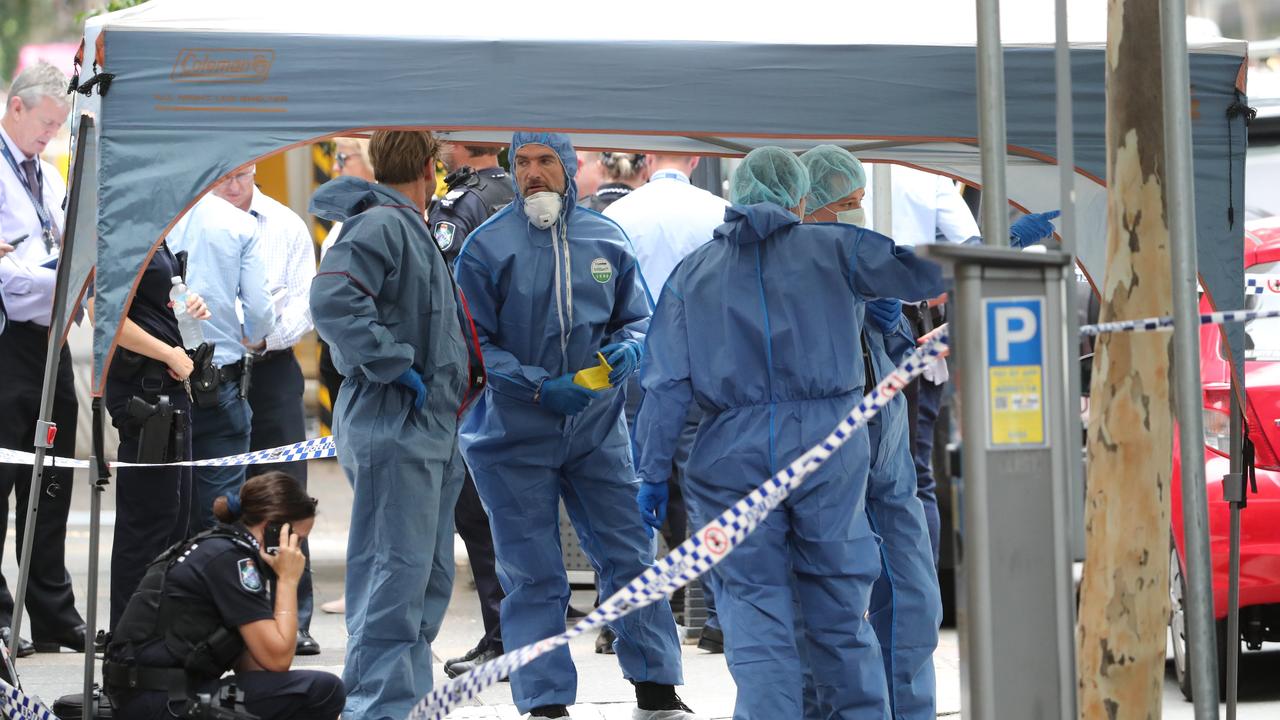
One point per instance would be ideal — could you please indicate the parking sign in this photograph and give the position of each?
(1015, 371)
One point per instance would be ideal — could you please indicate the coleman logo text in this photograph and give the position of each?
(212, 65)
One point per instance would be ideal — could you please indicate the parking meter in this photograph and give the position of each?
(1012, 509)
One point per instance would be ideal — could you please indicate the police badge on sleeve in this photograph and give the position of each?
(444, 232)
(250, 579)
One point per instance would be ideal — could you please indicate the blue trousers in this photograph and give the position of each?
(906, 603)
(218, 432)
(521, 482)
(925, 400)
(814, 557)
(399, 548)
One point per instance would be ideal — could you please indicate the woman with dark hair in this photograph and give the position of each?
(205, 607)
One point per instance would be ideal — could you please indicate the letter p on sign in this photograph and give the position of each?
(1014, 325)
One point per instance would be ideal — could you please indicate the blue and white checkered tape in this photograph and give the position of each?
(1166, 323)
(19, 706)
(695, 556)
(312, 449)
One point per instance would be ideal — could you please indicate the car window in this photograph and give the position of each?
(1262, 184)
(1262, 337)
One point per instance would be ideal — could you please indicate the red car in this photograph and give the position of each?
(1260, 520)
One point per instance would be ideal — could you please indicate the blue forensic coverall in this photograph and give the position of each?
(906, 603)
(760, 328)
(544, 303)
(383, 301)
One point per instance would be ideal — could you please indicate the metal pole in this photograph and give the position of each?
(98, 476)
(991, 126)
(1073, 502)
(1180, 203)
(1233, 488)
(882, 194)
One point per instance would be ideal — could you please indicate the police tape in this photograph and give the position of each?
(1166, 323)
(312, 449)
(695, 556)
(17, 705)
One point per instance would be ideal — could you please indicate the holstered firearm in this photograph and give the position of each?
(227, 705)
(204, 377)
(155, 442)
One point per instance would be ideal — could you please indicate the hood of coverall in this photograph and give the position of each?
(745, 224)
(347, 196)
(563, 147)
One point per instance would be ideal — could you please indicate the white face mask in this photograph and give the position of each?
(543, 209)
(857, 217)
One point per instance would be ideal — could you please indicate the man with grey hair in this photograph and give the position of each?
(31, 222)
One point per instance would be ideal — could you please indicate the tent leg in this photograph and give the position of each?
(1234, 491)
(99, 475)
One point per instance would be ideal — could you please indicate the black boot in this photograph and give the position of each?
(549, 711)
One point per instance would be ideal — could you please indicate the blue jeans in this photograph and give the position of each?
(929, 403)
(218, 432)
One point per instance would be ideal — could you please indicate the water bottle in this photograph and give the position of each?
(188, 327)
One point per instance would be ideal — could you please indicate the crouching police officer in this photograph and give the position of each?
(204, 608)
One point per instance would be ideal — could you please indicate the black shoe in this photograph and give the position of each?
(604, 641)
(72, 639)
(549, 711)
(712, 640)
(25, 648)
(307, 645)
(476, 656)
(655, 698)
(574, 613)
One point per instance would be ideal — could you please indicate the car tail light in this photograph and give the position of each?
(1217, 420)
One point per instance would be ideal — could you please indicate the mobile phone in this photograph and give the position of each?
(271, 538)
(17, 242)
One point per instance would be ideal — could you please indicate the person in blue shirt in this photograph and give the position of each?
(760, 327)
(223, 265)
(550, 285)
(906, 603)
(384, 302)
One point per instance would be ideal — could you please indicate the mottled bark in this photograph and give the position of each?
(1124, 599)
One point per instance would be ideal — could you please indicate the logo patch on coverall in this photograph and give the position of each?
(249, 578)
(601, 270)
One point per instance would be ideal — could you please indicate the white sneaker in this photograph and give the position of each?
(638, 714)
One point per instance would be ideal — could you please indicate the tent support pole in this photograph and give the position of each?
(991, 125)
(1074, 459)
(99, 475)
(1180, 204)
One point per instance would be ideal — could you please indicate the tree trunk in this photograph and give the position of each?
(1124, 598)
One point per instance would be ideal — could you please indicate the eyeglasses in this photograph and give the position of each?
(241, 177)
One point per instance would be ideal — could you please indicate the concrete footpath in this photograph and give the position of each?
(602, 693)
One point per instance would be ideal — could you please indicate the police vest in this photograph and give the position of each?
(190, 631)
(493, 188)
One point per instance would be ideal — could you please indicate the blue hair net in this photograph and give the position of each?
(834, 173)
(769, 174)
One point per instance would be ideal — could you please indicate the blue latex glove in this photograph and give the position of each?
(1031, 229)
(564, 396)
(624, 357)
(885, 312)
(652, 500)
(413, 381)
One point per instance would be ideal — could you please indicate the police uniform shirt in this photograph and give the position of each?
(234, 582)
(465, 207)
(150, 311)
